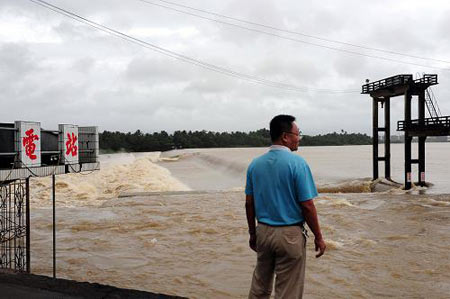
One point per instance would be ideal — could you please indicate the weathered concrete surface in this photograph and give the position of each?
(15, 285)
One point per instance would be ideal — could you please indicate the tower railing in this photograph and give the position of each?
(443, 121)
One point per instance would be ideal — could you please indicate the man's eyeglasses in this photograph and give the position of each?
(296, 134)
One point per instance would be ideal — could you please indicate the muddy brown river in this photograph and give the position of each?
(175, 224)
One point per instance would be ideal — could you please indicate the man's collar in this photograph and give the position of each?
(276, 147)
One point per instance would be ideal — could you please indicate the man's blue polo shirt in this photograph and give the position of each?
(279, 180)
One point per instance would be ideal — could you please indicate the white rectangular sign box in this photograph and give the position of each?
(28, 143)
(68, 143)
(88, 144)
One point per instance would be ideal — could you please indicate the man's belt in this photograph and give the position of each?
(281, 225)
(301, 224)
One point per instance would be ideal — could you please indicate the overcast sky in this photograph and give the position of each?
(54, 69)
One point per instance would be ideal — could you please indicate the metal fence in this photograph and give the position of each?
(14, 226)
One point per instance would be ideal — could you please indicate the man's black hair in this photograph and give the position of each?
(279, 124)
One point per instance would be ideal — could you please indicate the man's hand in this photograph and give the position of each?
(252, 242)
(310, 214)
(250, 212)
(320, 246)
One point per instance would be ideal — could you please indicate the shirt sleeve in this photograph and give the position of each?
(305, 186)
(249, 183)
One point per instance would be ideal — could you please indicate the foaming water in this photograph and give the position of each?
(119, 173)
(353, 186)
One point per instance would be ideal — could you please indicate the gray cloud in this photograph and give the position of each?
(83, 65)
(56, 70)
(15, 62)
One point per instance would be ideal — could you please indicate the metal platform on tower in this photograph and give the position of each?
(398, 85)
(436, 125)
(439, 126)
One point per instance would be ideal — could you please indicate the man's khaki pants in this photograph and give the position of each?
(281, 250)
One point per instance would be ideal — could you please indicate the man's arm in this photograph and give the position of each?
(310, 214)
(250, 211)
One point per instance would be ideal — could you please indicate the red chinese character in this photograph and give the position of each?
(70, 145)
(28, 143)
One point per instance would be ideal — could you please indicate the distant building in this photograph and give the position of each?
(438, 139)
(397, 138)
(401, 139)
(394, 139)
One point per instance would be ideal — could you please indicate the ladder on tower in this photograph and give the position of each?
(432, 105)
(430, 101)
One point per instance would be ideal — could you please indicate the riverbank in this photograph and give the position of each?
(15, 285)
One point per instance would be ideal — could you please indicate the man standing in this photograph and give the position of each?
(279, 192)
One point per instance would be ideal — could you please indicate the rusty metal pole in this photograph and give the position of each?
(54, 227)
(28, 237)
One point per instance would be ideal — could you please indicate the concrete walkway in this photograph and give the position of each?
(28, 286)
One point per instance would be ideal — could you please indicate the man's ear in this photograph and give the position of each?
(283, 137)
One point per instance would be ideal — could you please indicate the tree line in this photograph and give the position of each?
(162, 141)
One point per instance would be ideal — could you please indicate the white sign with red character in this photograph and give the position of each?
(28, 143)
(68, 143)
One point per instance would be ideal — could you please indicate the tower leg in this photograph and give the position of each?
(375, 138)
(387, 138)
(408, 140)
(422, 161)
(421, 112)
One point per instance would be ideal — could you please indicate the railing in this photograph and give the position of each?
(429, 79)
(439, 122)
(8, 129)
(391, 81)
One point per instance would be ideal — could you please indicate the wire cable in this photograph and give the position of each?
(297, 40)
(42, 176)
(81, 172)
(13, 164)
(185, 58)
(298, 33)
